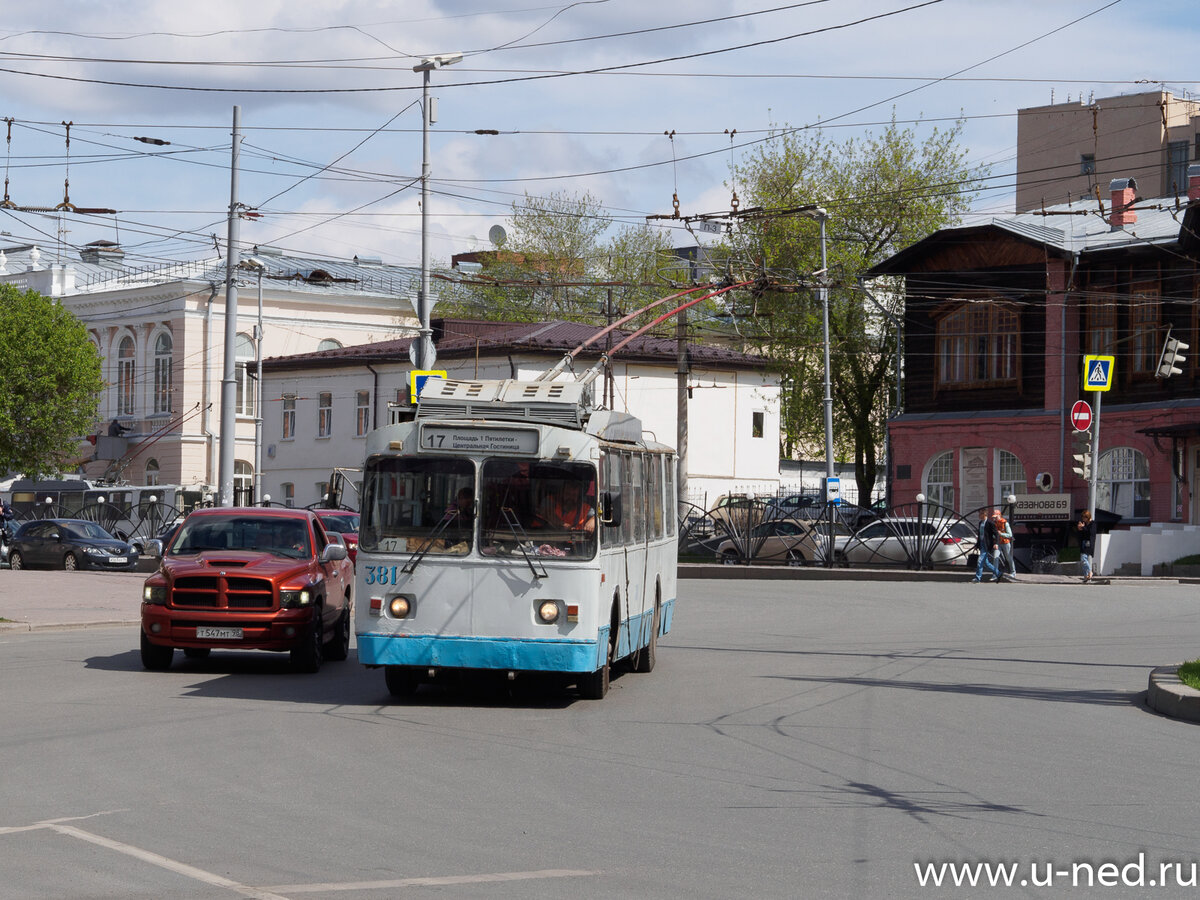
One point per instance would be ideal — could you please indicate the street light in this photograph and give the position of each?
(254, 264)
(425, 353)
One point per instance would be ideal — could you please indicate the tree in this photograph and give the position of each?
(49, 383)
(561, 262)
(881, 193)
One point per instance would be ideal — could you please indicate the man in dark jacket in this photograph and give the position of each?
(988, 548)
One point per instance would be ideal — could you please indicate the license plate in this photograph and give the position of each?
(218, 634)
(117, 560)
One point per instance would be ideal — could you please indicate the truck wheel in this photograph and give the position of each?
(308, 655)
(154, 657)
(339, 648)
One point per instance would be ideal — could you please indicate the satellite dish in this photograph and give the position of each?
(497, 235)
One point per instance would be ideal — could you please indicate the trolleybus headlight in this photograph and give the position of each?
(548, 611)
(399, 607)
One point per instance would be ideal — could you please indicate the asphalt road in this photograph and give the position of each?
(797, 739)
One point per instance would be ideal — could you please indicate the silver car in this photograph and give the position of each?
(908, 539)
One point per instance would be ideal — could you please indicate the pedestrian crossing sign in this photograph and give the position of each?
(1097, 373)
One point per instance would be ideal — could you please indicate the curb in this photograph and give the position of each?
(22, 627)
(1171, 697)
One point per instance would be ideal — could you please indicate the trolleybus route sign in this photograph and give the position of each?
(461, 439)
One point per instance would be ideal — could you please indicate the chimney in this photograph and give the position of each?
(1123, 192)
(1194, 182)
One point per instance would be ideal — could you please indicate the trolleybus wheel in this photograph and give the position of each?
(402, 681)
(645, 659)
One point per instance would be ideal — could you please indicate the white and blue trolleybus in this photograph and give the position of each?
(511, 526)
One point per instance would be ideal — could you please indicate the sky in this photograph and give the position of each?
(628, 101)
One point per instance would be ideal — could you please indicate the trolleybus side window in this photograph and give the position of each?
(638, 479)
(654, 463)
(672, 504)
(409, 504)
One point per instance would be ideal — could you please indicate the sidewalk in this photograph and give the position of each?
(53, 599)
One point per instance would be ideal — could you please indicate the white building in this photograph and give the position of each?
(320, 405)
(160, 331)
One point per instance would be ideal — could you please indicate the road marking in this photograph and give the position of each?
(168, 864)
(429, 881)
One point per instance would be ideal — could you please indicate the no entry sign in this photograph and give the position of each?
(1081, 415)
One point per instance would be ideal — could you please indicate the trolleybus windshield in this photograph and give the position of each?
(424, 504)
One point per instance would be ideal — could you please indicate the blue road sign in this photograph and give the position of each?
(1097, 373)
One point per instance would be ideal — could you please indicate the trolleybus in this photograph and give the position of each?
(512, 527)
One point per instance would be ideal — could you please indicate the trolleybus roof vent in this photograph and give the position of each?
(551, 403)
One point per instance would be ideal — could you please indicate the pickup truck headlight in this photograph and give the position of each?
(155, 593)
(295, 598)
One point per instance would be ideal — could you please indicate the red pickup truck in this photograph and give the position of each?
(251, 578)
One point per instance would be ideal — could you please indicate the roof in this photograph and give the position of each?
(101, 266)
(456, 338)
(1067, 228)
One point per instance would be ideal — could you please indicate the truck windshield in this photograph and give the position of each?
(541, 508)
(418, 504)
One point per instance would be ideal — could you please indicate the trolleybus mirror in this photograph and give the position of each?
(610, 509)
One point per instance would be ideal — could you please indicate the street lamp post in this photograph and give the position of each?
(257, 266)
(425, 352)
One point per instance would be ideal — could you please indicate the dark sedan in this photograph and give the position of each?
(69, 544)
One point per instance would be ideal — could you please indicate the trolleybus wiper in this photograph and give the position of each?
(514, 525)
(438, 531)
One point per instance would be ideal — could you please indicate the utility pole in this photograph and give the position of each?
(681, 378)
(228, 435)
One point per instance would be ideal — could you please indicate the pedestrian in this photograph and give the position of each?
(1008, 566)
(1087, 543)
(988, 548)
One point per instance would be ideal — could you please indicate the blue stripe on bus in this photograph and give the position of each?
(525, 654)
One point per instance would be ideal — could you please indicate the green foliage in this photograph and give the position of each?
(1189, 674)
(562, 261)
(49, 383)
(882, 193)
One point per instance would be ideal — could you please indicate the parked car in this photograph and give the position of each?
(344, 522)
(795, 506)
(252, 578)
(737, 513)
(69, 544)
(782, 541)
(894, 539)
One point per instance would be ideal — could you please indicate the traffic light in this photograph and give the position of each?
(1171, 358)
(1081, 452)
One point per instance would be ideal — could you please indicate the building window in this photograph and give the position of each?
(163, 384)
(1123, 483)
(1177, 166)
(1011, 475)
(978, 345)
(243, 483)
(1087, 164)
(1101, 324)
(329, 344)
(1144, 309)
(125, 376)
(289, 416)
(939, 481)
(152, 471)
(324, 414)
(362, 416)
(245, 375)
(289, 493)
(756, 424)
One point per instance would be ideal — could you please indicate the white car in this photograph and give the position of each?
(908, 539)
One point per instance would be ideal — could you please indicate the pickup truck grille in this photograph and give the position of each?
(213, 591)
